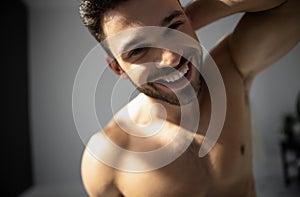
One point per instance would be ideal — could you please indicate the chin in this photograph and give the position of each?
(178, 98)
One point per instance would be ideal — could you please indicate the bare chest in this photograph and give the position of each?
(214, 175)
(225, 171)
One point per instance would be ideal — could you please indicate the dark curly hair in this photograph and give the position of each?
(92, 12)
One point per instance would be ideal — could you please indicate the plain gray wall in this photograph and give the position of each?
(59, 42)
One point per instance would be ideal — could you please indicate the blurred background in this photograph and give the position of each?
(43, 45)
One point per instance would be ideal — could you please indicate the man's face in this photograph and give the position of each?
(159, 73)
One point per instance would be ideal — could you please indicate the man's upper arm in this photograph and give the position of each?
(97, 177)
(261, 38)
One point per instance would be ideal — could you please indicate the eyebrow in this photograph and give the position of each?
(165, 21)
(133, 43)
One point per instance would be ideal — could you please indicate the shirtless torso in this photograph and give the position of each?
(227, 169)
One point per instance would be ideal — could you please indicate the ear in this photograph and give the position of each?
(115, 67)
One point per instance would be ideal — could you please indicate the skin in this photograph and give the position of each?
(267, 31)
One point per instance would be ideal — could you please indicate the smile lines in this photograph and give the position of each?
(176, 75)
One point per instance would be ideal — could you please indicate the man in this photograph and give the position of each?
(267, 31)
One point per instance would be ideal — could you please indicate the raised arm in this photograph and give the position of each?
(203, 12)
(267, 31)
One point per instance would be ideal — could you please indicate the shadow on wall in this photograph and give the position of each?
(15, 158)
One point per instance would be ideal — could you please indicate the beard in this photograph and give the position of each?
(177, 98)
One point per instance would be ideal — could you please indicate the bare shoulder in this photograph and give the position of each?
(98, 177)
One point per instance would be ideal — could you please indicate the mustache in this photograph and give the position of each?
(161, 72)
(168, 70)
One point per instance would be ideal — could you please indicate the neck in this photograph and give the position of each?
(163, 110)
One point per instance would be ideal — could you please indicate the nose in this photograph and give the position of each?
(169, 58)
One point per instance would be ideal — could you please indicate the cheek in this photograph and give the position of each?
(138, 74)
(188, 29)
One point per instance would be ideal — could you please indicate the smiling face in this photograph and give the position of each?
(160, 73)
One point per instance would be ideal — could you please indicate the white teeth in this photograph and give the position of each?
(175, 77)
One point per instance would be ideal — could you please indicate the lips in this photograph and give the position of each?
(177, 79)
(176, 75)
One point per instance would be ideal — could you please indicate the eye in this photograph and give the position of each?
(176, 25)
(136, 51)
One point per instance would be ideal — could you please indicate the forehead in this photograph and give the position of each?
(135, 13)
